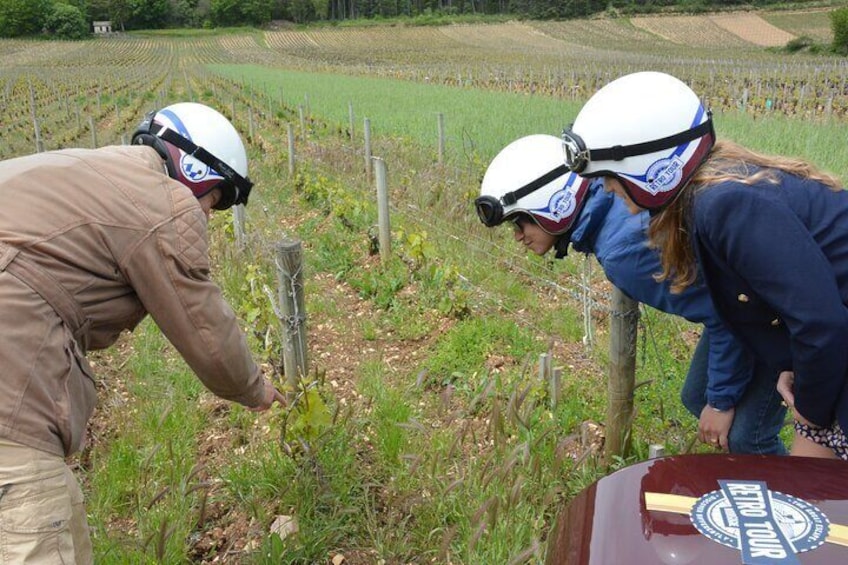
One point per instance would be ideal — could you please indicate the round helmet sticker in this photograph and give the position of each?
(562, 204)
(664, 175)
(193, 169)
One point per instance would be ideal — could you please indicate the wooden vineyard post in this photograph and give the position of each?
(302, 117)
(239, 226)
(93, 132)
(290, 131)
(289, 257)
(350, 120)
(367, 147)
(39, 144)
(385, 232)
(624, 322)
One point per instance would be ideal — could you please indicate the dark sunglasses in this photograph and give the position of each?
(519, 220)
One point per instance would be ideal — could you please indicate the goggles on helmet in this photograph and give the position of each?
(240, 186)
(490, 210)
(578, 156)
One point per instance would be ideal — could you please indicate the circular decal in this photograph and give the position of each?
(664, 175)
(802, 524)
(562, 204)
(193, 169)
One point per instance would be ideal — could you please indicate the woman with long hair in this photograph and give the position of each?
(769, 236)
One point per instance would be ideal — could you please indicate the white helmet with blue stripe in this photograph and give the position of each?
(648, 129)
(529, 176)
(201, 149)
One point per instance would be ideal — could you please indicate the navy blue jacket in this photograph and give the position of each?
(775, 258)
(618, 239)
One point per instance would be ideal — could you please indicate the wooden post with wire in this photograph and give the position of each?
(289, 256)
(367, 147)
(624, 323)
(554, 387)
(290, 131)
(302, 115)
(350, 120)
(383, 221)
(238, 226)
(93, 129)
(39, 144)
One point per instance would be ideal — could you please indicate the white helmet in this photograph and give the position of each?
(530, 176)
(201, 149)
(648, 129)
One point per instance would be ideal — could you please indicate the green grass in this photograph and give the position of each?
(476, 122)
(148, 474)
(816, 141)
(479, 123)
(464, 349)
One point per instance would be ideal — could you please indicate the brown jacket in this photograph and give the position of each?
(110, 233)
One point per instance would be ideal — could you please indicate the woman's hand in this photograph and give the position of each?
(785, 384)
(714, 427)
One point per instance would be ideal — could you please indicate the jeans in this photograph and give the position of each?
(759, 415)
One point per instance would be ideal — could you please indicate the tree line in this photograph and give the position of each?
(72, 19)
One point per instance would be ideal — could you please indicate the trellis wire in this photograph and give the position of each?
(582, 294)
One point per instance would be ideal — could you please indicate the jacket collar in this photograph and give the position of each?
(592, 217)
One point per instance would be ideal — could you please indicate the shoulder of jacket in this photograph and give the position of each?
(179, 197)
(143, 154)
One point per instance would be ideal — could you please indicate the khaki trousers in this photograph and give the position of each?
(42, 514)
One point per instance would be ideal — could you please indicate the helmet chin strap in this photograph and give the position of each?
(511, 198)
(561, 245)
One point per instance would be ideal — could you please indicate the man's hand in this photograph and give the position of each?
(271, 395)
(714, 427)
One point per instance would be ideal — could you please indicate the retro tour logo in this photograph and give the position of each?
(562, 204)
(767, 527)
(664, 175)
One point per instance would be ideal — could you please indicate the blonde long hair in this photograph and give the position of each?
(727, 161)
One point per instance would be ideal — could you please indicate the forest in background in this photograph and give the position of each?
(71, 19)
